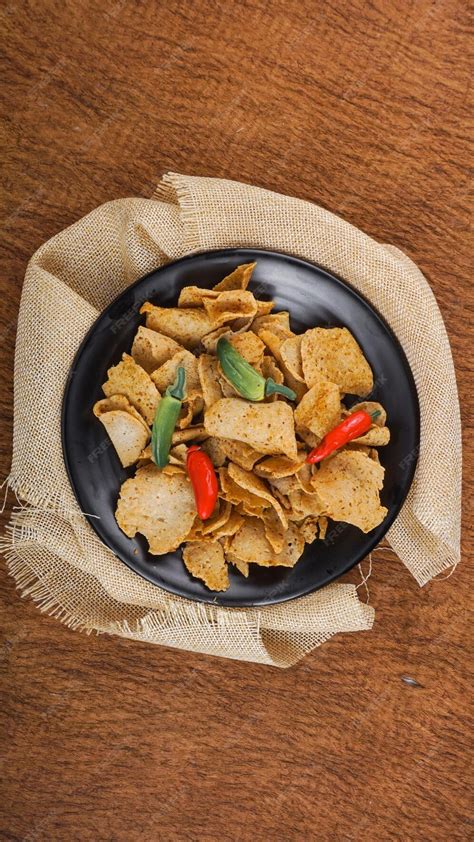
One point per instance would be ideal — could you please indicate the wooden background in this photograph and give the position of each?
(363, 108)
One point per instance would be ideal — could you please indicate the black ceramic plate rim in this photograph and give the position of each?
(240, 253)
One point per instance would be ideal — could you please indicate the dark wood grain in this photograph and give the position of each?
(363, 108)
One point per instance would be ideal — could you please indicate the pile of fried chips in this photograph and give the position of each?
(271, 502)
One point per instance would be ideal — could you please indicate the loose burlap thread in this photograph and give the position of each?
(51, 550)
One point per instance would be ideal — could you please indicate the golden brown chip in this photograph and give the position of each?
(178, 454)
(348, 484)
(251, 545)
(319, 409)
(268, 428)
(209, 342)
(304, 478)
(213, 447)
(256, 486)
(275, 467)
(230, 527)
(242, 566)
(275, 530)
(191, 406)
(205, 560)
(196, 432)
(208, 370)
(264, 308)
(307, 437)
(118, 402)
(234, 304)
(290, 353)
(240, 453)
(220, 516)
(375, 437)
(322, 527)
(308, 528)
(281, 319)
(166, 375)
(334, 354)
(151, 349)
(127, 434)
(274, 337)
(305, 505)
(194, 296)
(129, 379)
(186, 325)
(284, 485)
(238, 279)
(234, 493)
(249, 346)
(159, 506)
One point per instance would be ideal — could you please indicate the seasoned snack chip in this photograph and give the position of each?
(194, 296)
(118, 402)
(319, 409)
(166, 374)
(238, 495)
(213, 447)
(195, 432)
(234, 304)
(333, 353)
(129, 379)
(240, 453)
(290, 353)
(127, 434)
(210, 340)
(208, 371)
(281, 319)
(251, 545)
(249, 346)
(375, 437)
(348, 484)
(151, 349)
(238, 279)
(205, 560)
(185, 325)
(256, 486)
(159, 506)
(267, 427)
(275, 529)
(275, 467)
(370, 407)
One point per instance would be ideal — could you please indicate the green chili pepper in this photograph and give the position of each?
(166, 416)
(244, 378)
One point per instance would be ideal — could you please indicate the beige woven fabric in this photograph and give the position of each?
(51, 550)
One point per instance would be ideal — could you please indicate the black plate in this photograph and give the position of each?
(313, 297)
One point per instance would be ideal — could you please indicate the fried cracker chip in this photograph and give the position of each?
(209, 342)
(256, 486)
(185, 325)
(274, 338)
(308, 528)
(192, 405)
(159, 506)
(238, 279)
(305, 505)
(195, 432)
(275, 529)
(127, 434)
(166, 374)
(242, 566)
(234, 493)
(118, 402)
(251, 545)
(281, 319)
(249, 346)
(375, 437)
(264, 308)
(129, 379)
(240, 453)
(290, 353)
(213, 447)
(267, 427)
(208, 371)
(348, 484)
(275, 467)
(334, 354)
(151, 349)
(194, 296)
(319, 409)
(205, 560)
(234, 304)
(322, 527)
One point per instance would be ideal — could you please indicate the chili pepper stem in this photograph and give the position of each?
(272, 388)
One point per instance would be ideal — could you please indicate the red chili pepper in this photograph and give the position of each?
(351, 428)
(203, 479)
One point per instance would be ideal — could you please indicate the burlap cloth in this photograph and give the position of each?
(51, 550)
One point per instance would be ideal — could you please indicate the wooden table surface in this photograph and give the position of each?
(361, 107)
